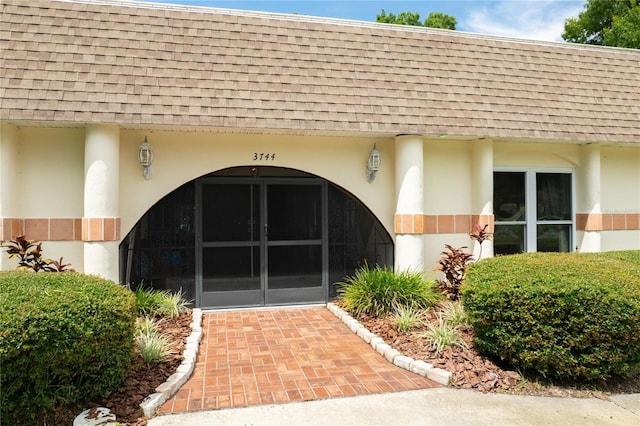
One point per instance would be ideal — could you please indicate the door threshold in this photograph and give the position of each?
(264, 308)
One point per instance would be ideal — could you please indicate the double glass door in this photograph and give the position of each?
(262, 241)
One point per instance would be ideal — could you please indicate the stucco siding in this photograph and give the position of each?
(620, 240)
(540, 155)
(180, 157)
(8, 169)
(447, 177)
(59, 191)
(620, 178)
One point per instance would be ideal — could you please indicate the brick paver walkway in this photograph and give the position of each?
(267, 356)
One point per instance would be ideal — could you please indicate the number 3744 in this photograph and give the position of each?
(264, 156)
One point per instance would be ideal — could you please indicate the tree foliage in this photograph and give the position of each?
(434, 20)
(440, 20)
(607, 23)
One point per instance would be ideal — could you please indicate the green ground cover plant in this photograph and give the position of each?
(406, 318)
(442, 334)
(454, 314)
(562, 315)
(152, 302)
(380, 291)
(153, 346)
(65, 338)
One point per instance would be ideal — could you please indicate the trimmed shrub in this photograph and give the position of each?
(568, 316)
(65, 339)
(379, 291)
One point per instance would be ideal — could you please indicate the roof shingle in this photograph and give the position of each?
(135, 64)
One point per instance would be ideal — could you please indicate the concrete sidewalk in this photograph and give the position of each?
(438, 406)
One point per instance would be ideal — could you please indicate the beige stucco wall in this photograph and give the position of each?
(447, 191)
(513, 154)
(58, 192)
(8, 182)
(44, 180)
(180, 157)
(620, 179)
(447, 177)
(9, 169)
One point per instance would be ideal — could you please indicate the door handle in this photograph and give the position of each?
(266, 230)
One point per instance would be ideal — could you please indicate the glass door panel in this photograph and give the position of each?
(294, 212)
(231, 245)
(230, 212)
(261, 242)
(509, 196)
(294, 243)
(295, 266)
(230, 268)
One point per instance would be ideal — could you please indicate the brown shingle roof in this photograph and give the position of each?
(135, 64)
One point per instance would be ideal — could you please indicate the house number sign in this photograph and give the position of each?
(264, 156)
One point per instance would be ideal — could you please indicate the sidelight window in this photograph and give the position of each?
(533, 211)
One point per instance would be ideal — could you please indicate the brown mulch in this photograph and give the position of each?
(144, 378)
(470, 370)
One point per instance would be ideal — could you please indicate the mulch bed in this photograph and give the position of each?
(144, 378)
(470, 370)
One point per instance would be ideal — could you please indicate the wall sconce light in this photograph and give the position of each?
(145, 156)
(373, 165)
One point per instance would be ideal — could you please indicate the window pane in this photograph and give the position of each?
(294, 212)
(509, 196)
(554, 238)
(295, 266)
(230, 212)
(553, 196)
(509, 239)
(230, 268)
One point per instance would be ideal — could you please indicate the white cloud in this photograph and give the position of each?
(531, 19)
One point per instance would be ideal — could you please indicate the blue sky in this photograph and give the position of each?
(532, 19)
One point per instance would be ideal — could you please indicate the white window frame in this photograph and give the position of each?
(531, 223)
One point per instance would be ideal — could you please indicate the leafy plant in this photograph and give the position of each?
(29, 254)
(453, 264)
(173, 304)
(480, 235)
(454, 314)
(152, 302)
(406, 318)
(379, 291)
(153, 346)
(442, 335)
(58, 266)
(146, 325)
(147, 300)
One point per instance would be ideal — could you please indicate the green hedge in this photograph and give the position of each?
(570, 316)
(65, 338)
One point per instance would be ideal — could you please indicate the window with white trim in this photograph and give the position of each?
(533, 211)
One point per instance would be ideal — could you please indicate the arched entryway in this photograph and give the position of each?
(253, 236)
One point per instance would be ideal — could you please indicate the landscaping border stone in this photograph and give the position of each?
(419, 367)
(167, 389)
